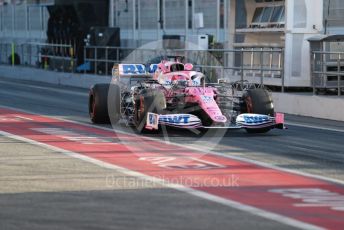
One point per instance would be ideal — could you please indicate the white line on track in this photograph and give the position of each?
(204, 195)
(315, 127)
(24, 118)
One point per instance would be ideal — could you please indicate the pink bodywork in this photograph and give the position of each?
(205, 98)
(195, 93)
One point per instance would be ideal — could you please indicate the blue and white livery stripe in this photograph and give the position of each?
(137, 69)
(180, 120)
(248, 120)
(173, 120)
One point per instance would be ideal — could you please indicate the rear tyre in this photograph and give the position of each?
(102, 110)
(114, 103)
(258, 101)
(148, 101)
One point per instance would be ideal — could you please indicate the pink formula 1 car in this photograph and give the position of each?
(173, 94)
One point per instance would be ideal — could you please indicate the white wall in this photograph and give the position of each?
(304, 19)
(325, 107)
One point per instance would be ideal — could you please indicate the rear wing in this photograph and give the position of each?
(129, 70)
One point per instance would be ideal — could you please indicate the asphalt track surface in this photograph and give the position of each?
(42, 189)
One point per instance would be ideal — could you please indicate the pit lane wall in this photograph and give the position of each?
(326, 107)
(52, 77)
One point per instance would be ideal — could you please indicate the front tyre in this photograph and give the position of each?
(258, 101)
(148, 101)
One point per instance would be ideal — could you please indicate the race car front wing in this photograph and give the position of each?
(189, 121)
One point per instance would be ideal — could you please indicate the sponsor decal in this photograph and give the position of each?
(179, 119)
(176, 119)
(152, 121)
(196, 82)
(201, 90)
(207, 99)
(126, 69)
(253, 119)
(220, 118)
